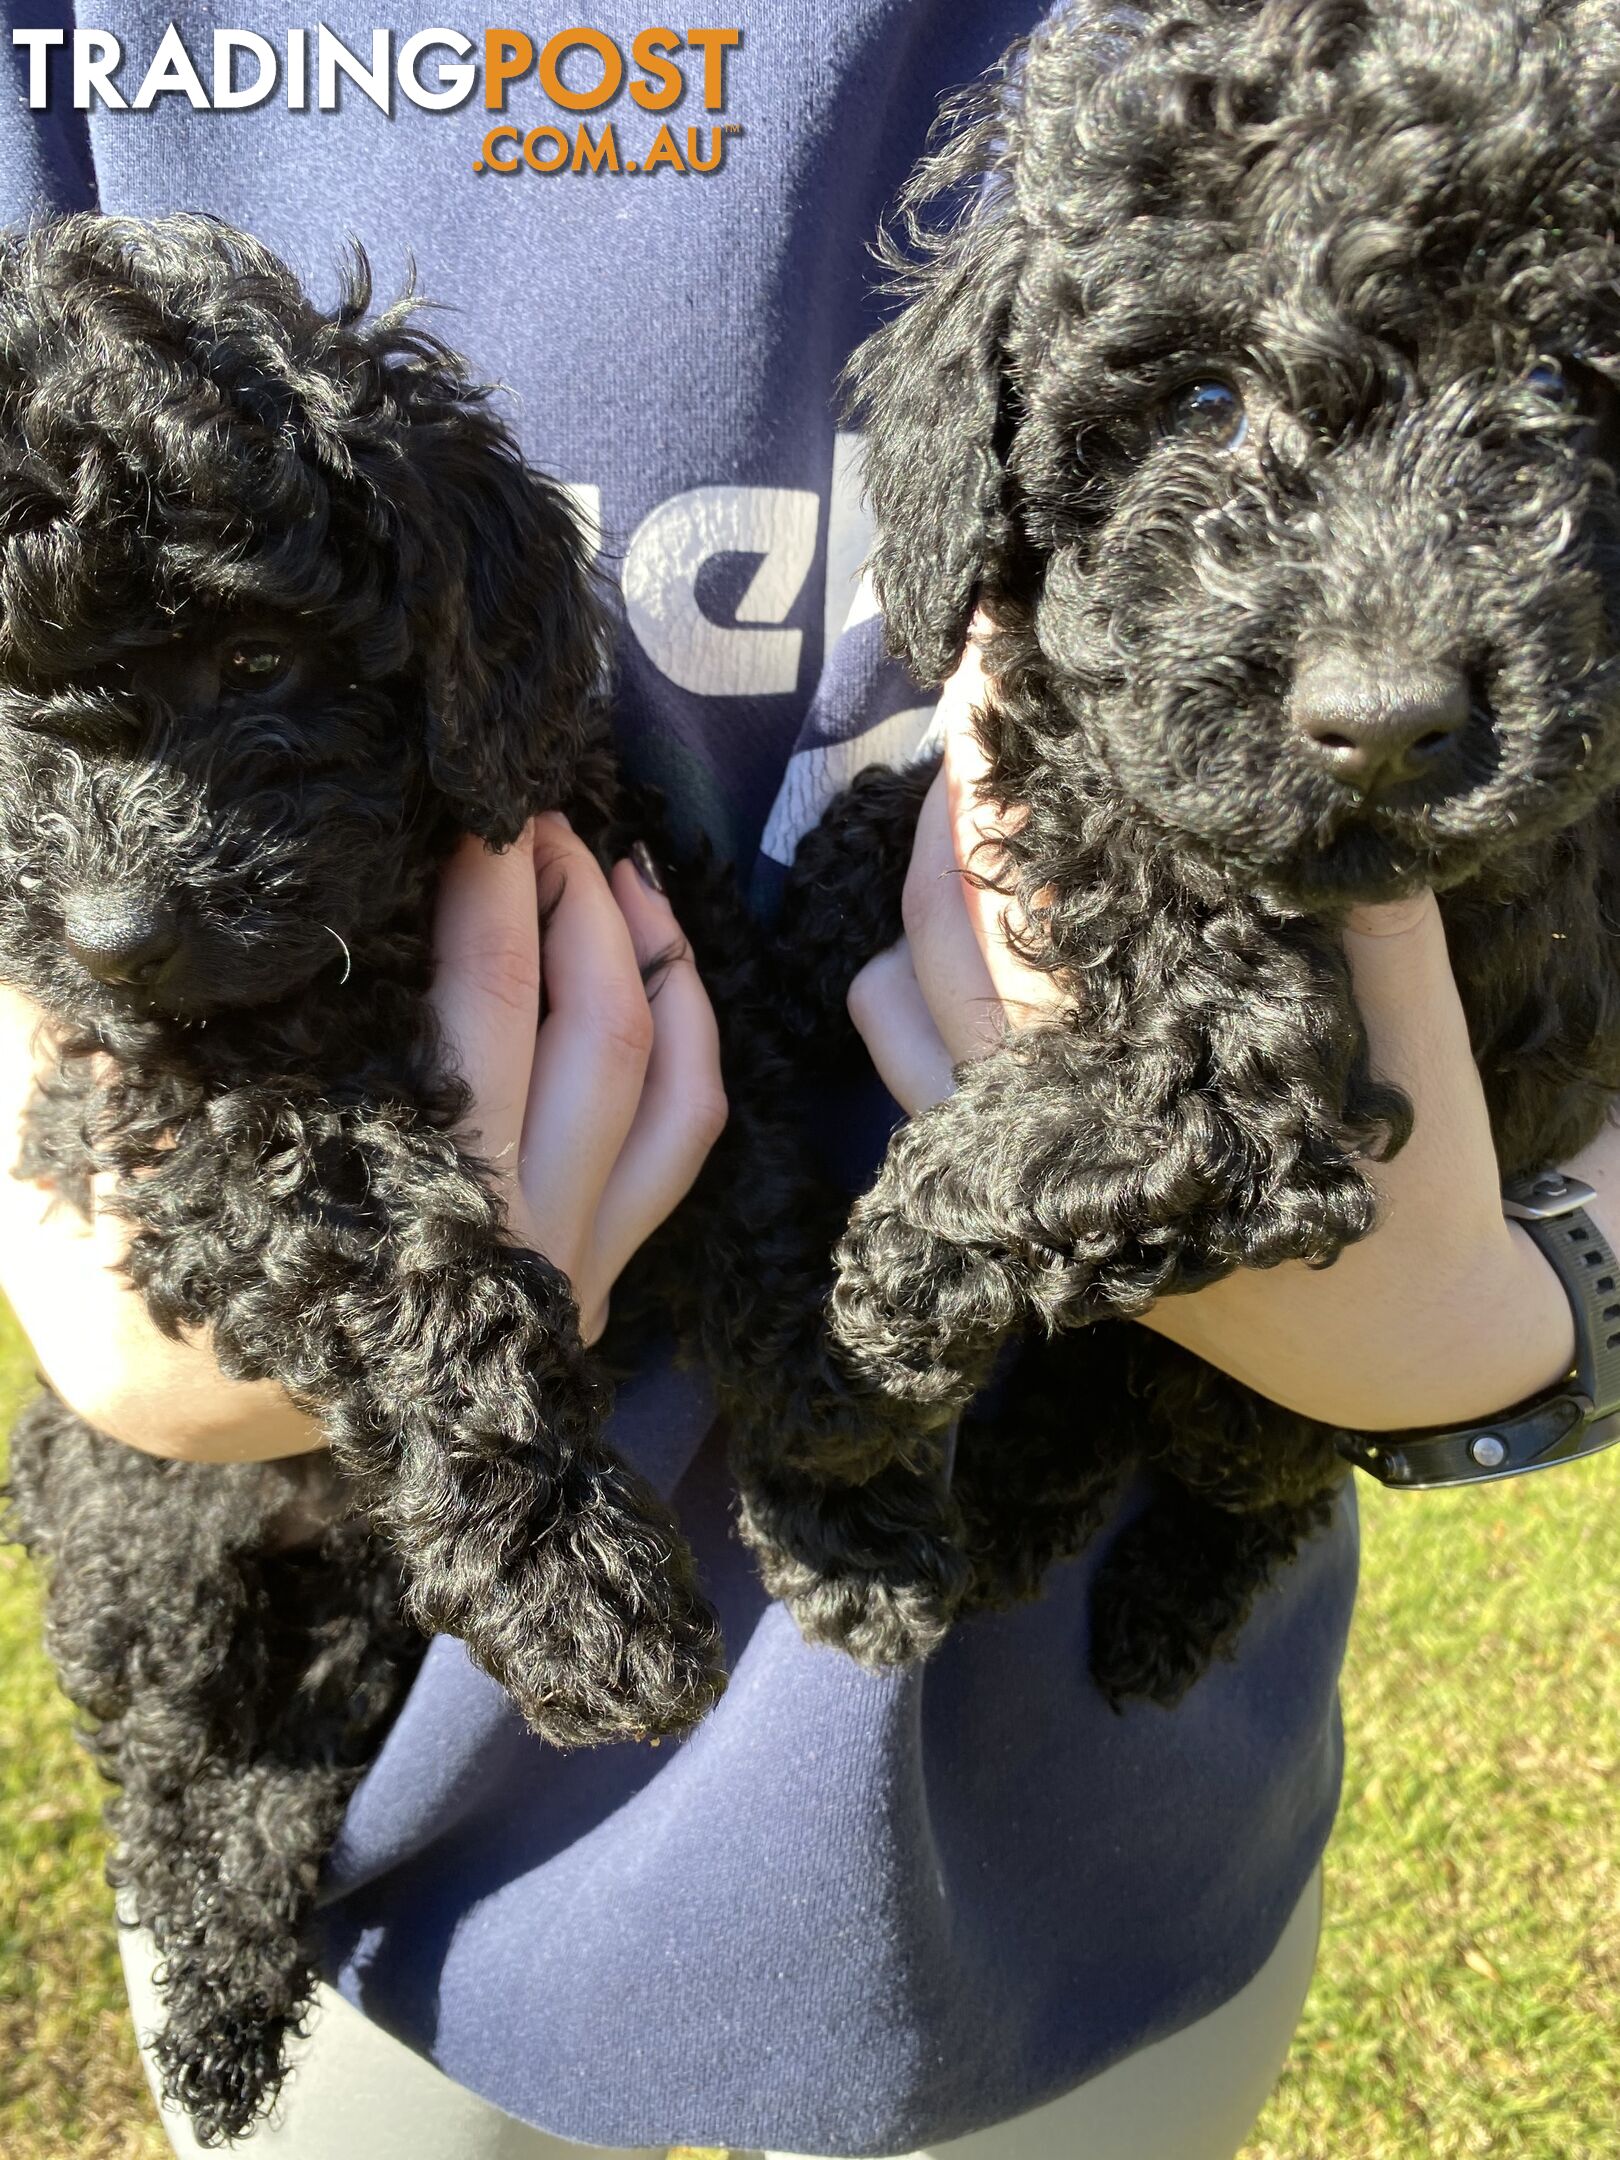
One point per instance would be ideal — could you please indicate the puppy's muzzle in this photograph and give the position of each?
(121, 939)
(1380, 723)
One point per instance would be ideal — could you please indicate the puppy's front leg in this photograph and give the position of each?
(1218, 1118)
(356, 1256)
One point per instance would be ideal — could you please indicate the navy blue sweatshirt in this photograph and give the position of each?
(851, 1914)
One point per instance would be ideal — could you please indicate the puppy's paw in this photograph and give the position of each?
(875, 1570)
(846, 1432)
(1145, 1650)
(914, 1315)
(630, 1649)
(586, 1609)
(879, 1623)
(1178, 1585)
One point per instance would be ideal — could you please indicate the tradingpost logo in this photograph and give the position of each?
(661, 59)
(581, 103)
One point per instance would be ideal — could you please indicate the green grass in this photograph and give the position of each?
(1465, 2000)
(70, 2081)
(1466, 1996)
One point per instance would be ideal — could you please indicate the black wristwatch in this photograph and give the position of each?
(1581, 1416)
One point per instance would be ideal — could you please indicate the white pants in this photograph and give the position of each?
(358, 2094)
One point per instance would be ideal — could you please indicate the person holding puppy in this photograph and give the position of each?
(961, 1907)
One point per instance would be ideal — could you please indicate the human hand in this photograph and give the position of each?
(600, 1119)
(950, 988)
(1446, 1312)
(595, 1103)
(91, 1332)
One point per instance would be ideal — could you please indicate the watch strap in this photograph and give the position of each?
(1552, 1210)
(1579, 1417)
(1555, 1429)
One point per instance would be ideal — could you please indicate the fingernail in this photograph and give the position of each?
(646, 868)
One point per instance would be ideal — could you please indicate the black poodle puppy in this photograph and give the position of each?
(1257, 378)
(236, 1641)
(283, 613)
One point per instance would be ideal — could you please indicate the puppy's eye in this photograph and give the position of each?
(1549, 381)
(254, 664)
(1208, 411)
(1580, 392)
(1572, 386)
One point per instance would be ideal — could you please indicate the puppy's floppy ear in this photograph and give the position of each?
(511, 627)
(499, 609)
(930, 391)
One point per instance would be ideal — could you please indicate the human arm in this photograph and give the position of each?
(89, 1330)
(596, 1121)
(1446, 1312)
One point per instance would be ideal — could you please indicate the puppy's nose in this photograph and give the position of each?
(119, 938)
(1376, 721)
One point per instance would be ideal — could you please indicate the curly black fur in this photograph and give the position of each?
(282, 613)
(1385, 232)
(239, 1679)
